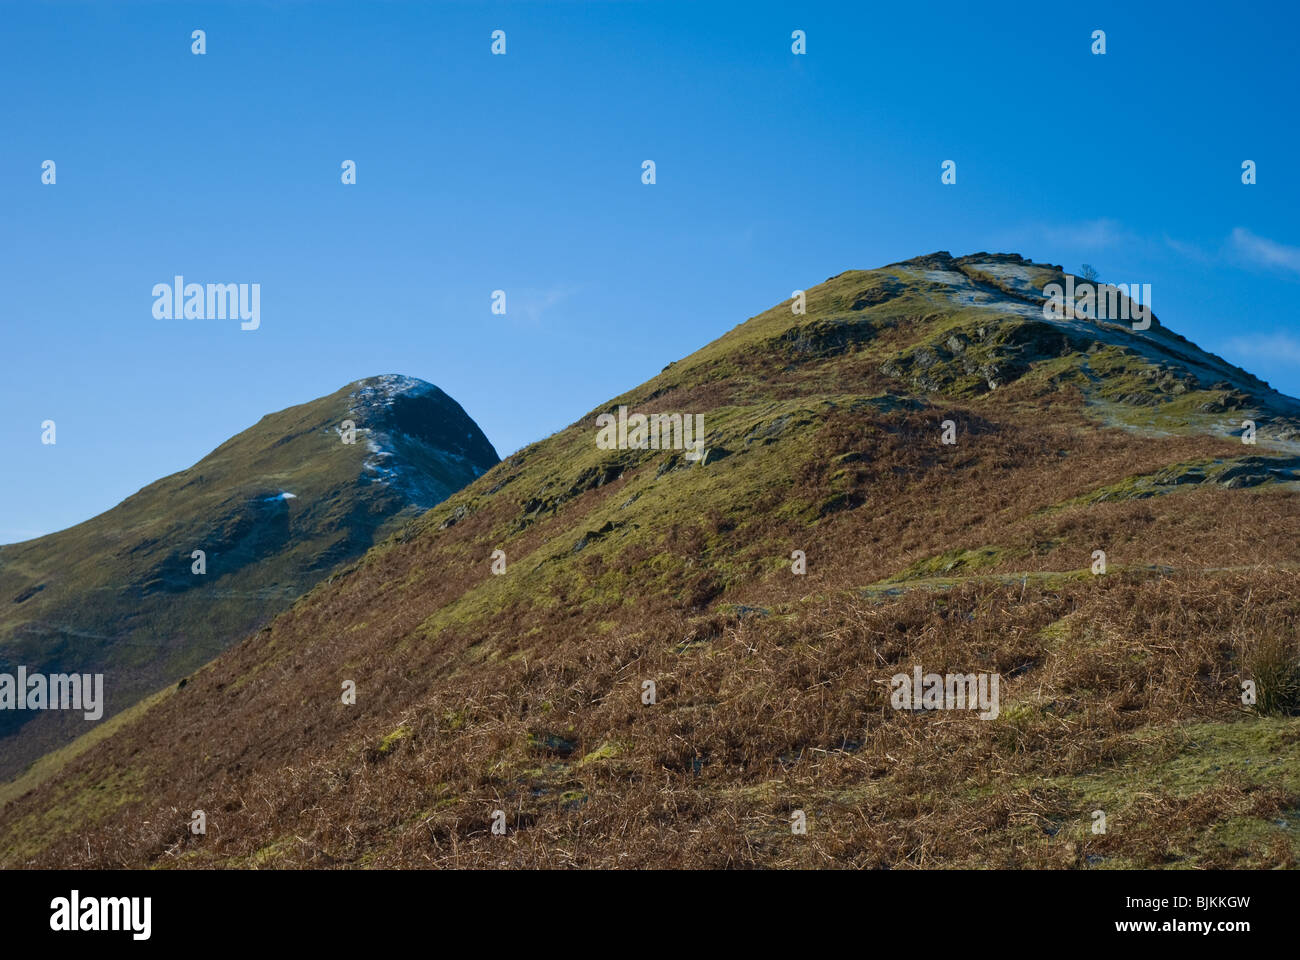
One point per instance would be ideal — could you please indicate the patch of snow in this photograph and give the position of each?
(282, 495)
(376, 462)
(390, 453)
(960, 288)
(951, 277)
(384, 389)
(1015, 275)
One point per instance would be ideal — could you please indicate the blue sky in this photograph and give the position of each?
(523, 172)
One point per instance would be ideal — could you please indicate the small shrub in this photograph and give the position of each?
(1274, 665)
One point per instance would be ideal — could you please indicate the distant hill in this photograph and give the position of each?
(274, 509)
(688, 650)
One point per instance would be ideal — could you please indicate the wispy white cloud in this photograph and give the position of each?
(1089, 234)
(1061, 237)
(1263, 252)
(532, 304)
(1189, 250)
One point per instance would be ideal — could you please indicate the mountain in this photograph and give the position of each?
(691, 651)
(273, 510)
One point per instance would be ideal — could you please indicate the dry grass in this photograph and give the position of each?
(523, 693)
(536, 710)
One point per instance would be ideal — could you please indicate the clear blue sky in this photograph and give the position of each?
(523, 172)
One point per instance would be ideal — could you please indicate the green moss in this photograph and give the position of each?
(1183, 762)
(267, 856)
(80, 803)
(387, 744)
(606, 751)
(1055, 631)
(958, 561)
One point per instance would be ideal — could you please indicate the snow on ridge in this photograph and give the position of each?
(961, 289)
(953, 278)
(385, 388)
(1016, 274)
(389, 452)
(383, 465)
(375, 463)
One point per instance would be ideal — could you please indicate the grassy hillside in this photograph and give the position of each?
(523, 692)
(117, 594)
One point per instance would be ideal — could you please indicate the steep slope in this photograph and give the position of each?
(528, 691)
(273, 509)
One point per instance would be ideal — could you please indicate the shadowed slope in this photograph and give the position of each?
(274, 509)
